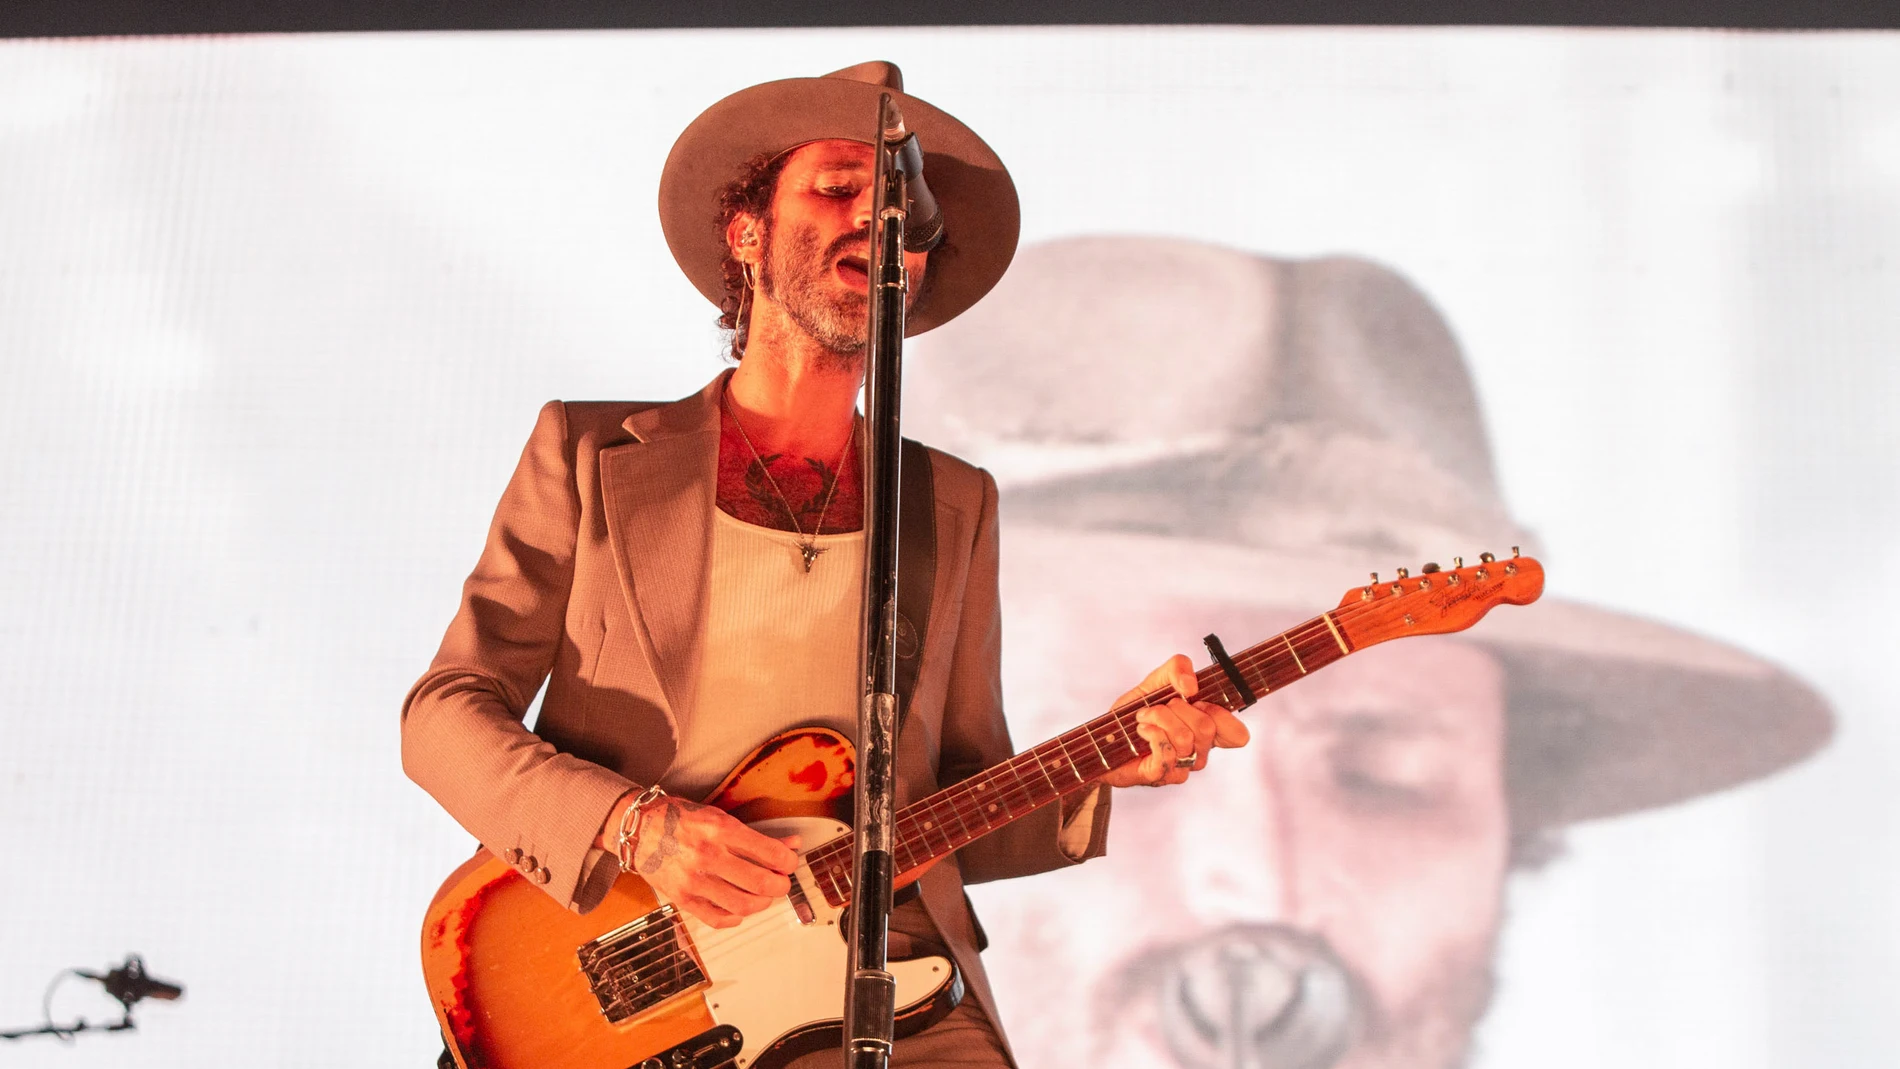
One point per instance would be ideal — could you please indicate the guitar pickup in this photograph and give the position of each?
(708, 1050)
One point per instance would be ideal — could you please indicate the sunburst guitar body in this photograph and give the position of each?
(518, 982)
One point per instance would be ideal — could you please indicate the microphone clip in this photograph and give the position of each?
(130, 983)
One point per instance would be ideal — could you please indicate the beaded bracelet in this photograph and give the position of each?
(630, 825)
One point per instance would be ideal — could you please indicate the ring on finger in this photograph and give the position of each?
(1188, 761)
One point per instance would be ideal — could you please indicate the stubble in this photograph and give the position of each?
(795, 272)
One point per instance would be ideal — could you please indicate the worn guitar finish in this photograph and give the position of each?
(520, 983)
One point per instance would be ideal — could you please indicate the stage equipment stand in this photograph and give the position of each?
(870, 993)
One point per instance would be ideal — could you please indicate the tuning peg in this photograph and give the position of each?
(1486, 558)
(1430, 567)
(1404, 574)
(1513, 551)
(1375, 577)
(1457, 562)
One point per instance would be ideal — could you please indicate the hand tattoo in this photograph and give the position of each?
(669, 845)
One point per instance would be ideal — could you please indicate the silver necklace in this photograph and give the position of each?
(808, 547)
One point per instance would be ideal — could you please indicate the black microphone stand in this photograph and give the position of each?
(127, 984)
(871, 991)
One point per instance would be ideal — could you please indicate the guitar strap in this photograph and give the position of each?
(916, 568)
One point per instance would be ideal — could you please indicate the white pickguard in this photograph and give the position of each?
(773, 974)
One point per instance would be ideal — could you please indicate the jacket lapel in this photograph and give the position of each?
(658, 498)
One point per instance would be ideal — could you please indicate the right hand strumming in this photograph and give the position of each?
(708, 864)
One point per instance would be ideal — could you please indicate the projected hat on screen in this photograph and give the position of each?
(1267, 430)
(981, 216)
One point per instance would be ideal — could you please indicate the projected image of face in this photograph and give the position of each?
(1330, 895)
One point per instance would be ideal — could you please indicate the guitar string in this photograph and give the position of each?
(1267, 654)
(1123, 715)
(672, 951)
(620, 962)
(825, 857)
(956, 798)
(1089, 732)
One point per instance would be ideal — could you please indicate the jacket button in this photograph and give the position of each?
(541, 875)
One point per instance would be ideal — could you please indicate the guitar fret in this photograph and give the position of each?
(1294, 652)
(961, 811)
(1032, 785)
(1216, 687)
(1119, 739)
(933, 827)
(1074, 767)
(926, 825)
(964, 829)
(1057, 764)
(930, 826)
(1021, 789)
(1025, 791)
(990, 807)
(1044, 769)
(922, 826)
(828, 877)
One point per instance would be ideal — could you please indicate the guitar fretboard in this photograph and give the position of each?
(933, 827)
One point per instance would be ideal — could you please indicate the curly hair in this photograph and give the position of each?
(749, 193)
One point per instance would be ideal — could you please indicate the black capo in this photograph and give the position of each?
(1233, 674)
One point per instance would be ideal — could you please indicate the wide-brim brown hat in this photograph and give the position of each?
(980, 211)
(1258, 432)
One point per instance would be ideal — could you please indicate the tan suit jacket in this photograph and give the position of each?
(593, 579)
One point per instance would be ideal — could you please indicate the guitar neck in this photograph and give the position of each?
(931, 828)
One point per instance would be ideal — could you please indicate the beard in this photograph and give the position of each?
(1431, 1030)
(1428, 1028)
(795, 272)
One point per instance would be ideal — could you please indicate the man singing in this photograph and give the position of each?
(686, 577)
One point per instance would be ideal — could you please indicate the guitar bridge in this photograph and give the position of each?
(708, 1050)
(639, 965)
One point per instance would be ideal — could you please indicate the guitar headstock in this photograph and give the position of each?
(1437, 601)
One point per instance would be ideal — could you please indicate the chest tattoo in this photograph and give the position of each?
(745, 492)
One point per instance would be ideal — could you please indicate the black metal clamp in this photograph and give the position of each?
(1227, 665)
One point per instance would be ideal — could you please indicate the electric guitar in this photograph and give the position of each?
(520, 983)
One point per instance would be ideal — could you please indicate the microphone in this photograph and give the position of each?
(130, 983)
(923, 230)
(923, 224)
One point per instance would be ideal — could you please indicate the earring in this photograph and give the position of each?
(742, 319)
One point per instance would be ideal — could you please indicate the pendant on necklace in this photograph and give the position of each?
(810, 553)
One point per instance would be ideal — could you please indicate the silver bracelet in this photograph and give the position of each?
(630, 825)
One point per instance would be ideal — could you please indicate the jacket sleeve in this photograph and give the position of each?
(975, 735)
(463, 739)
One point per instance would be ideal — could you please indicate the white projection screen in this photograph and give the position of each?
(276, 314)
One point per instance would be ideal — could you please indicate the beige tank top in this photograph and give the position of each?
(781, 648)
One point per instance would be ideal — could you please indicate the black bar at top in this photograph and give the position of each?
(1233, 674)
(90, 18)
